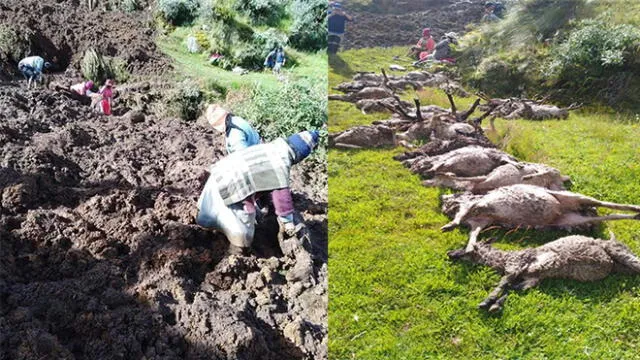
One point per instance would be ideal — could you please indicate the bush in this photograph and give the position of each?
(178, 12)
(185, 100)
(94, 67)
(268, 12)
(279, 113)
(118, 70)
(129, 5)
(309, 28)
(12, 44)
(597, 56)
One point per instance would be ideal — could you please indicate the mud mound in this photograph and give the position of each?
(400, 23)
(102, 259)
(60, 31)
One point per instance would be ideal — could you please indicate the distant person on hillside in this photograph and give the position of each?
(337, 23)
(280, 60)
(270, 60)
(425, 45)
(31, 67)
(493, 11)
(442, 51)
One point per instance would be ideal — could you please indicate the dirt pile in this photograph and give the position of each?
(391, 23)
(61, 30)
(102, 259)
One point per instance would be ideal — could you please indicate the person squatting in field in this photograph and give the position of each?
(239, 135)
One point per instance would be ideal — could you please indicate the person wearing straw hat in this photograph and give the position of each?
(238, 132)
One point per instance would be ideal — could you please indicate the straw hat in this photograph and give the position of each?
(216, 116)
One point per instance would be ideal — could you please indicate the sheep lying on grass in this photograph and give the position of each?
(573, 257)
(526, 206)
(503, 175)
(467, 161)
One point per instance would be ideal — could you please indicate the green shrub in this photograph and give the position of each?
(268, 12)
(178, 12)
(296, 106)
(129, 5)
(309, 28)
(186, 99)
(597, 60)
(118, 70)
(94, 67)
(12, 44)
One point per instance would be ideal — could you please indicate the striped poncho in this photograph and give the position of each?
(262, 167)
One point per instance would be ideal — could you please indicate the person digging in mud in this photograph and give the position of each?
(424, 47)
(104, 102)
(227, 202)
(82, 91)
(31, 68)
(239, 134)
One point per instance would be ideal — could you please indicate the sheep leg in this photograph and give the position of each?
(473, 237)
(579, 200)
(575, 219)
(628, 261)
(497, 292)
(526, 284)
(497, 305)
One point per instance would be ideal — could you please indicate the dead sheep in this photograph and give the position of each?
(526, 206)
(574, 257)
(466, 161)
(504, 175)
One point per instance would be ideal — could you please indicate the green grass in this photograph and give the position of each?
(345, 64)
(393, 293)
(309, 65)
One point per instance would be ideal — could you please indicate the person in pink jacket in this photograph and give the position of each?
(425, 45)
(105, 101)
(84, 88)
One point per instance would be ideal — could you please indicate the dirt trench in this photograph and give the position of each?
(61, 30)
(102, 259)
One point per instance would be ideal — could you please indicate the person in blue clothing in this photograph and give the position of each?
(280, 60)
(31, 67)
(238, 132)
(270, 60)
(337, 22)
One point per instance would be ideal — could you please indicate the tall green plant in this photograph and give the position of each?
(94, 67)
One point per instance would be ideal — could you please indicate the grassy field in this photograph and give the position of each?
(395, 295)
(309, 65)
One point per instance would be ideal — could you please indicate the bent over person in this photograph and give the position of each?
(227, 202)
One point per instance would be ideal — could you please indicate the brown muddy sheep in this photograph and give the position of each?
(526, 206)
(466, 161)
(573, 257)
(504, 175)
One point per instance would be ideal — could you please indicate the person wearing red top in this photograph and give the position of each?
(425, 45)
(104, 101)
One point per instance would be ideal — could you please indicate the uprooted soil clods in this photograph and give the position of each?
(98, 243)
